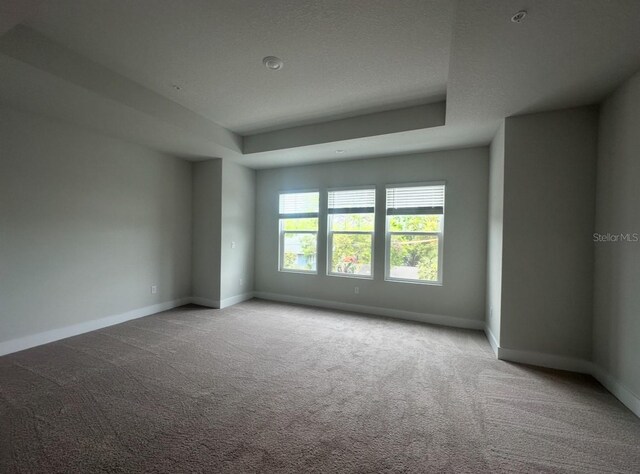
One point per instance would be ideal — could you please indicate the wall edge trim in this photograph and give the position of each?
(626, 396)
(492, 339)
(199, 300)
(440, 320)
(52, 335)
(618, 389)
(225, 303)
(541, 359)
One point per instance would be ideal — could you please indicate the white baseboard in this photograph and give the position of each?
(378, 311)
(33, 340)
(220, 304)
(492, 339)
(235, 300)
(205, 302)
(38, 339)
(541, 359)
(622, 393)
(619, 390)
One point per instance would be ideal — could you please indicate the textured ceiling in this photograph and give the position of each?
(565, 53)
(340, 56)
(109, 65)
(13, 12)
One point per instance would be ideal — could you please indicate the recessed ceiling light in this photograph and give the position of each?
(272, 63)
(340, 152)
(518, 17)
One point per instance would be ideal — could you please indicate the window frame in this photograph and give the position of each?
(282, 232)
(439, 234)
(330, 233)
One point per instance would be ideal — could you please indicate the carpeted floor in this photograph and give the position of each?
(269, 387)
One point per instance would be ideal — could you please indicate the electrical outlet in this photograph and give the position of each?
(356, 290)
(154, 289)
(233, 244)
(241, 282)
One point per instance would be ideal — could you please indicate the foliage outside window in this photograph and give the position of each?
(299, 231)
(351, 229)
(415, 220)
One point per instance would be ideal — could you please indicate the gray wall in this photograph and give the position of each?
(87, 225)
(207, 214)
(465, 236)
(617, 281)
(494, 248)
(549, 197)
(373, 124)
(238, 230)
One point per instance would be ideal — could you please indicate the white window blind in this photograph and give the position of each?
(294, 205)
(411, 200)
(352, 201)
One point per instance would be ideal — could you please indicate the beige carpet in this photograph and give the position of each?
(268, 387)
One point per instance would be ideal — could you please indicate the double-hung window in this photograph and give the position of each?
(351, 224)
(299, 232)
(414, 237)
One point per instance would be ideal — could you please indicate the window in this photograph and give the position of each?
(299, 231)
(415, 220)
(351, 226)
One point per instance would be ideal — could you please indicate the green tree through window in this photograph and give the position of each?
(299, 231)
(414, 232)
(351, 228)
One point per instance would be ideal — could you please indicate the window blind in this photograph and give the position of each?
(412, 200)
(352, 201)
(293, 205)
